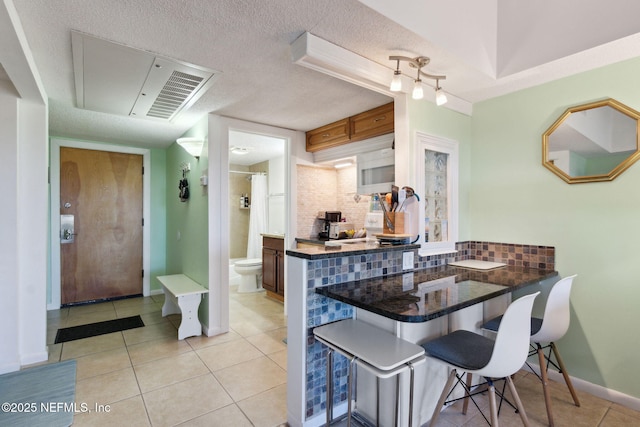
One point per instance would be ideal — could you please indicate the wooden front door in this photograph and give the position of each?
(101, 254)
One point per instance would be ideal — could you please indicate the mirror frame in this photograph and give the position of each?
(624, 165)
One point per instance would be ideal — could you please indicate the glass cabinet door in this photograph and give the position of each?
(438, 172)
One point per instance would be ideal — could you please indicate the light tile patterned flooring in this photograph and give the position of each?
(148, 377)
(593, 411)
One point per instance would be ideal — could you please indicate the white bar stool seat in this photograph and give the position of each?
(549, 329)
(378, 351)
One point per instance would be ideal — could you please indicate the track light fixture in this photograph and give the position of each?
(441, 98)
(396, 81)
(418, 63)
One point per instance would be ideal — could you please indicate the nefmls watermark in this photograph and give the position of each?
(53, 407)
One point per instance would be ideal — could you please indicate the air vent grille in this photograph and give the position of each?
(117, 79)
(176, 91)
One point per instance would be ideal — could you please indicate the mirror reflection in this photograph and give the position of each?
(592, 142)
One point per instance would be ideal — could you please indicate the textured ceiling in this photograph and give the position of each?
(249, 43)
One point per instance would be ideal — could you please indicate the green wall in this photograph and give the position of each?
(158, 236)
(187, 222)
(188, 253)
(594, 227)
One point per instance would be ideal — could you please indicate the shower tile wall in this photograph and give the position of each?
(238, 218)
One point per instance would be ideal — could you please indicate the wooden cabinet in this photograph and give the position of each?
(328, 136)
(375, 122)
(378, 121)
(273, 267)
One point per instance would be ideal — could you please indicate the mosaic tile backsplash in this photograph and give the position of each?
(531, 256)
(322, 310)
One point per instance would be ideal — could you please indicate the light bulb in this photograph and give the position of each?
(417, 90)
(396, 82)
(441, 98)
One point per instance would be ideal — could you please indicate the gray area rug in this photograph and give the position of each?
(39, 396)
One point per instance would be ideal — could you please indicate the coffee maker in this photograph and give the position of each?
(329, 217)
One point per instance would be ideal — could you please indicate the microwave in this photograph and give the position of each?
(376, 171)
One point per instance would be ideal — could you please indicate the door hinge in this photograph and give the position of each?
(143, 222)
(143, 170)
(142, 273)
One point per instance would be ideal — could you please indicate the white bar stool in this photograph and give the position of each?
(378, 351)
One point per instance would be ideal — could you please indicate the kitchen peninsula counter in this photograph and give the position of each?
(427, 294)
(366, 281)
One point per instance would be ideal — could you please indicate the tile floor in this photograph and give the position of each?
(148, 377)
(593, 411)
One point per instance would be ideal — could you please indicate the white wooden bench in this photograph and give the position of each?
(183, 295)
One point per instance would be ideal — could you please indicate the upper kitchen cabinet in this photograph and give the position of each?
(375, 122)
(378, 121)
(328, 136)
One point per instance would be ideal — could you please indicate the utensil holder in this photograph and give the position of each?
(398, 219)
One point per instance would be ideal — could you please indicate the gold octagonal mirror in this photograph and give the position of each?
(592, 142)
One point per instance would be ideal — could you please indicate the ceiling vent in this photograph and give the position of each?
(118, 79)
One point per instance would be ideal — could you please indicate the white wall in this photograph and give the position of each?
(32, 202)
(9, 350)
(23, 227)
(277, 195)
(24, 186)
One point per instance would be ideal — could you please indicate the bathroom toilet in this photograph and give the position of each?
(250, 271)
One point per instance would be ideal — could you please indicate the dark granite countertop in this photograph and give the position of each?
(345, 248)
(427, 294)
(312, 240)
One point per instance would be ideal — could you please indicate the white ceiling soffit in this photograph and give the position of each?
(118, 79)
(318, 54)
(502, 38)
(258, 148)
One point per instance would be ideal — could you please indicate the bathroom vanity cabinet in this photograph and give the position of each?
(273, 266)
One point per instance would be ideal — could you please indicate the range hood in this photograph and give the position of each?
(117, 79)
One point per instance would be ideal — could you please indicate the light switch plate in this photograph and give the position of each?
(407, 260)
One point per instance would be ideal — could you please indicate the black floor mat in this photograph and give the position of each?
(100, 328)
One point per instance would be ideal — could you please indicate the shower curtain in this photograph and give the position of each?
(258, 220)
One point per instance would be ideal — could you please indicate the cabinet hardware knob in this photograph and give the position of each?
(379, 119)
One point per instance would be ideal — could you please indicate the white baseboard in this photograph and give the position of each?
(593, 389)
(156, 292)
(210, 332)
(9, 367)
(32, 358)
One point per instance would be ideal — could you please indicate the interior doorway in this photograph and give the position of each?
(219, 236)
(101, 225)
(257, 200)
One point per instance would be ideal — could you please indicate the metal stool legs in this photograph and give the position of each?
(330, 387)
